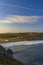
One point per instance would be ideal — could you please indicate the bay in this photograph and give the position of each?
(28, 52)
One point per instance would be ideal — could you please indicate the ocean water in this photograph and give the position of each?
(32, 55)
(28, 52)
(20, 43)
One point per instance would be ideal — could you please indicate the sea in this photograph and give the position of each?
(27, 52)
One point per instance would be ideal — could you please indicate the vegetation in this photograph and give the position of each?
(4, 60)
(7, 59)
(12, 37)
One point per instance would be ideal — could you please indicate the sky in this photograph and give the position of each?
(21, 16)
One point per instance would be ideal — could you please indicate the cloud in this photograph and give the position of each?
(21, 19)
(27, 8)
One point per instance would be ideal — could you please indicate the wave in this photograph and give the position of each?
(20, 43)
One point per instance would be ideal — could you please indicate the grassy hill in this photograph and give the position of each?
(4, 60)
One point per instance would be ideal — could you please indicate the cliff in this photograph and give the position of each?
(6, 57)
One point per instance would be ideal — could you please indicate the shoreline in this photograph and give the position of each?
(20, 41)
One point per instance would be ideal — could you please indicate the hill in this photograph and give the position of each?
(6, 59)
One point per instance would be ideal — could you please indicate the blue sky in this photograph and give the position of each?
(21, 16)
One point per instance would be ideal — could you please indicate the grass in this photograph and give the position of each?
(4, 60)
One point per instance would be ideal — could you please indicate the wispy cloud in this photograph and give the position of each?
(27, 8)
(21, 19)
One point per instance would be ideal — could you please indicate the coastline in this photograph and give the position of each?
(16, 37)
(21, 43)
